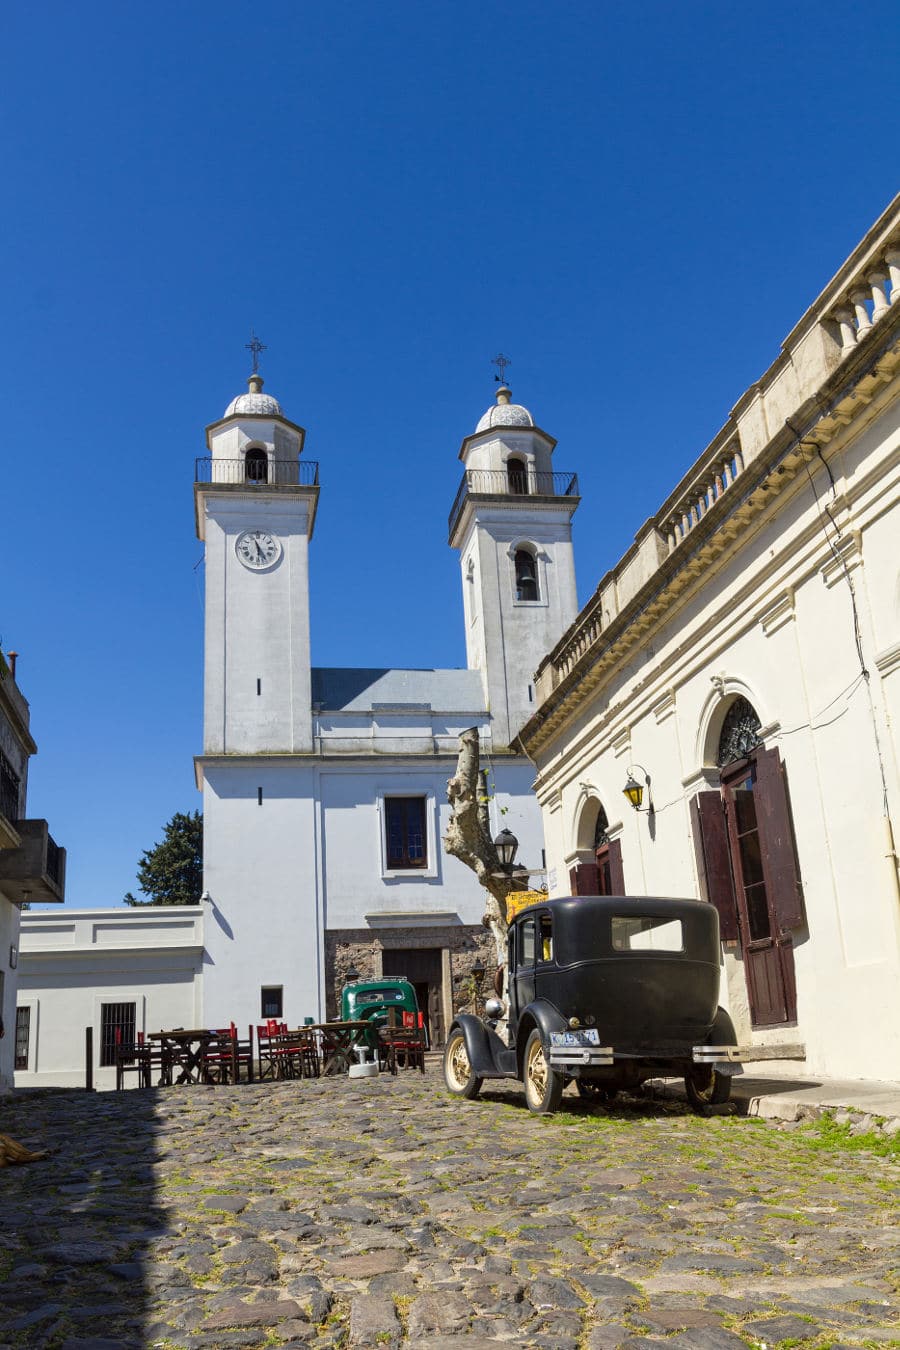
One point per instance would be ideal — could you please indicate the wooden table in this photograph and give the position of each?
(186, 1049)
(339, 1042)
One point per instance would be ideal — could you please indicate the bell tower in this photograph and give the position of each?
(255, 501)
(512, 524)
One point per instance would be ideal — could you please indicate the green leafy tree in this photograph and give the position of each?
(171, 873)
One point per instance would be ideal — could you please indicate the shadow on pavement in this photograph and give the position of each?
(77, 1225)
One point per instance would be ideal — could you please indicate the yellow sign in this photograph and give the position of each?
(516, 901)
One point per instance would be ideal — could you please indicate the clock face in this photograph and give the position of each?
(257, 549)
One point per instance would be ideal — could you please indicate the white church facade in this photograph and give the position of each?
(741, 665)
(324, 789)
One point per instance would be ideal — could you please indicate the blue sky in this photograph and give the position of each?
(634, 202)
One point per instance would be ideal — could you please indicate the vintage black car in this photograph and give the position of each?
(607, 991)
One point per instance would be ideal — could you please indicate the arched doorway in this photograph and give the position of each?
(256, 466)
(598, 870)
(745, 851)
(517, 476)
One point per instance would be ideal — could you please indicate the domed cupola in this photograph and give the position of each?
(505, 413)
(255, 403)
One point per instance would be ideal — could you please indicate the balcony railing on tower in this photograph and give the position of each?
(257, 471)
(515, 482)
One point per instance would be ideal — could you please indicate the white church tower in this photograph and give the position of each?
(255, 502)
(512, 523)
(256, 506)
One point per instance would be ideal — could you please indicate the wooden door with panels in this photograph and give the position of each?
(743, 835)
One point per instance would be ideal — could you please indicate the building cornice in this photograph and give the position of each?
(591, 648)
(255, 493)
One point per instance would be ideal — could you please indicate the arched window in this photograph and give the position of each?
(256, 466)
(517, 476)
(526, 575)
(740, 733)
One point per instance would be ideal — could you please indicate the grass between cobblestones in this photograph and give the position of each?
(551, 1231)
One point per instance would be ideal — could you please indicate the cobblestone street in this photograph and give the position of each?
(384, 1212)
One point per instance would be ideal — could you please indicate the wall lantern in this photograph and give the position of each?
(352, 974)
(478, 971)
(634, 791)
(506, 844)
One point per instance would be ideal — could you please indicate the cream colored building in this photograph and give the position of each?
(744, 655)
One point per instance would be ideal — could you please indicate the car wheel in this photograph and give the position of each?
(590, 1091)
(705, 1086)
(458, 1075)
(543, 1085)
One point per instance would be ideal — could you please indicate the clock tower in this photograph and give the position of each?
(255, 500)
(255, 503)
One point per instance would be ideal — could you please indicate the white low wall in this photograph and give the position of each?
(71, 963)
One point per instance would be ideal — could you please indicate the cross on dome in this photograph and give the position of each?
(255, 346)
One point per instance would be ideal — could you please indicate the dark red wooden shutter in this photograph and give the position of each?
(776, 840)
(616, 873)
(583, 879)
(714, 860)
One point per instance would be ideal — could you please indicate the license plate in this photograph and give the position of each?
(563, 1038)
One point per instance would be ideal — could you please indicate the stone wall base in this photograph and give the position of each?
(442, 973)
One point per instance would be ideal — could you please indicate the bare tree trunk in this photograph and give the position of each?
(468, 838)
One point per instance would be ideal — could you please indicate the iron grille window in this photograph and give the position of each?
(9, 790)
(405, 830)
(115, 1018)
(23, 1033)
(740, 733)
(601, 838)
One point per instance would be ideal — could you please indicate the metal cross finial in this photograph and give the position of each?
(502, 362)
(255, 346)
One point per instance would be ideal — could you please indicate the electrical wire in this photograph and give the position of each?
(840, 558)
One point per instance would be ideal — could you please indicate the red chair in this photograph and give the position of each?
(243, 1051)
(404, 1044)
(274, 1050)
(219, 1060)
(300, 1054)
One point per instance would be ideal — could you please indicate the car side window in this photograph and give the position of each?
(546, 937)
(526, 943)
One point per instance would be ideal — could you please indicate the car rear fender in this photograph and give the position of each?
(546, 1018)
(723, 1032)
